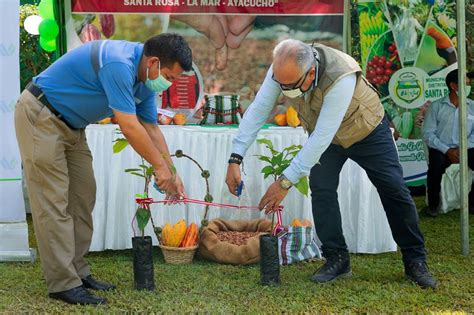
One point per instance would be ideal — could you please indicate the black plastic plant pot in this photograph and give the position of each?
(143, 274)
(269, 261)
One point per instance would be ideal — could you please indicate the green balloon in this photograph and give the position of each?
(48, 29)
(47, 44)
(46, 9)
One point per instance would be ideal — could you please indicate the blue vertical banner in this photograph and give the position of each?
(13, 226)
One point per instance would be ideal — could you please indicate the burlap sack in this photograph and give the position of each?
(212, 248)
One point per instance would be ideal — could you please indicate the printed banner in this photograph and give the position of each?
(11, 189)
(13, 225)
(407, 47)
(225, 62)
(272, 7)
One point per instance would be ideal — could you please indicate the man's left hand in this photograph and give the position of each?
(272, 198)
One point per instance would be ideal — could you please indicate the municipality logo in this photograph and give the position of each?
(408, 87)
(7, 50)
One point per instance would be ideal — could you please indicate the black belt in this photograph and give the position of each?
(38, 93)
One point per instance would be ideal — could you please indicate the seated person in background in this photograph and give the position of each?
(441, 134)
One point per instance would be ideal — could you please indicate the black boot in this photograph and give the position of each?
(78, 295)
(431, 212)
(418, 272)
(338, 265)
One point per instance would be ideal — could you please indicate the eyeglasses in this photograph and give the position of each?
(295, 85)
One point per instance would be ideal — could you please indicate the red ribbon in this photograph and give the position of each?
(145, 202)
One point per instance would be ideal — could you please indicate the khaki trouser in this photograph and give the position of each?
(58, 168)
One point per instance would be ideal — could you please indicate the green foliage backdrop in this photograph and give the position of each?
(33, 59)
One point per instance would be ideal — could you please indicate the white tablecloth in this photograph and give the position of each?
(364, 222)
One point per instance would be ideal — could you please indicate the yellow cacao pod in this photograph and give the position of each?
(165, 234)
(292, 117)
(178, 231)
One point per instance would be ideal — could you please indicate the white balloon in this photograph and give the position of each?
(32, 24)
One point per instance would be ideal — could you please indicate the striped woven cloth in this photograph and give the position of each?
(221, 109)
(297, 244)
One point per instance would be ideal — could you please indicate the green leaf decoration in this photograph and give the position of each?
(208, 198)
(143, 216)
(119, 145)
(303, 186)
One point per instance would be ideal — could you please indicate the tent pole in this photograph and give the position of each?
(346, 28)
(461, 38)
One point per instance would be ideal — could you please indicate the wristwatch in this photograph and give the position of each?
(285, 183)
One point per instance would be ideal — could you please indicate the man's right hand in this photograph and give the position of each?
(233, 178)
(453, 155)
(166, 181)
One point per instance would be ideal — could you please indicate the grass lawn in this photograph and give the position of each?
(378, 284)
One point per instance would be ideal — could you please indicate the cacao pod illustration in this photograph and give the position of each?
(107, 24)
(89, 33)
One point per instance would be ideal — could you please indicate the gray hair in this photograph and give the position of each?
(296, 50)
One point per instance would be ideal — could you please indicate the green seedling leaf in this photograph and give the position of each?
(267, 170)
(150, 170)
(173, 169)
(128, 170)
(119, 145)
(264, 158)
(137, 174)
(143, 216)
(267, 142)
(277, 159)
(303, 186)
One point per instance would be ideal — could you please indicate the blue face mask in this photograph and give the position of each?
(159, 84)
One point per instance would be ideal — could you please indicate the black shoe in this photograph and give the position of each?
(418, 272)
(93, 284)
(78, 295)
(338, 265)
(431, 212)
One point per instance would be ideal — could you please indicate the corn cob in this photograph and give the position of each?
(406, 125)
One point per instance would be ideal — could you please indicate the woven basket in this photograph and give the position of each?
(178, 255)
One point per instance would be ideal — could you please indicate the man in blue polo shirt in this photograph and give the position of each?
(92, 82)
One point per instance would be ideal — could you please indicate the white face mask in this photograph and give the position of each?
(467, 89)
(294, 93)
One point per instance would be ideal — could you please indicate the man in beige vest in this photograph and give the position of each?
(344, 117)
